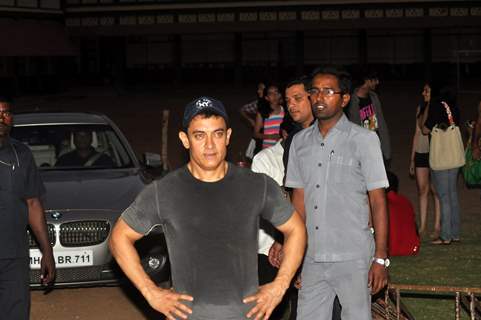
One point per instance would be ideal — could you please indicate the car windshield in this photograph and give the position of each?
(74, 146)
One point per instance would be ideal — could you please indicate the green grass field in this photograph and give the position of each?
(458, 264)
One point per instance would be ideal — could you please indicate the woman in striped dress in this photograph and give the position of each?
(269, 117)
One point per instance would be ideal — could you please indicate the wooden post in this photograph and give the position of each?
(165, 131)
(471, 305)
(398, 304)
(457, 315)
(386, 303)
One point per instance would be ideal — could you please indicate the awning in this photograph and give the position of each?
(22, 38)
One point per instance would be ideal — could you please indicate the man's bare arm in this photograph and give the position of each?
(163, 300)
(378, 274)
(298, 202)
(269, 295)
(38, 225)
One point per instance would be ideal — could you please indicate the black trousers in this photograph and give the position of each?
(14, 289)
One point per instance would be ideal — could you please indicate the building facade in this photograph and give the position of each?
(244, 41)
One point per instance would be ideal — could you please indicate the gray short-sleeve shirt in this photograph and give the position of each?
(336, 172)
(211, 230)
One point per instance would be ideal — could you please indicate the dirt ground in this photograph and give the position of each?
(139, 115)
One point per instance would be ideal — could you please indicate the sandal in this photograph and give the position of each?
(440, 241)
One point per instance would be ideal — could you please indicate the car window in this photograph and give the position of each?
(74, 146)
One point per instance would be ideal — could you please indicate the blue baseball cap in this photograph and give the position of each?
(200, 105)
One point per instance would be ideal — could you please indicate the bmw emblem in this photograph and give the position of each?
(56, 215)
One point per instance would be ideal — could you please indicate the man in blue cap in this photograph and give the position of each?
(210, 211)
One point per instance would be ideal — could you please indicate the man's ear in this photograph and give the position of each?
(184, 139)
(229, 132)
(345, 99)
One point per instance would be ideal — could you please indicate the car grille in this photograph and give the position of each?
(32, 242)
(79, 274)
(83, 233)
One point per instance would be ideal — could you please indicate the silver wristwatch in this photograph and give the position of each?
(383, 262)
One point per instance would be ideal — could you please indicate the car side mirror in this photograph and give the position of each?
(152, 160)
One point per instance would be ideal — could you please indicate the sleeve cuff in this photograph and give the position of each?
(377, 185)
(293, 184)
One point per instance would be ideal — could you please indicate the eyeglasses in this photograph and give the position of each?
(326, 92)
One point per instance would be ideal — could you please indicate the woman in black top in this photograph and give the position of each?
(445, 181)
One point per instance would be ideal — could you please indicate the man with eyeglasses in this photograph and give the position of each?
(365, 109)
(20, 192)
(337, 174)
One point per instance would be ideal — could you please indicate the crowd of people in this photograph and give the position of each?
(334, 178)
(319, 187)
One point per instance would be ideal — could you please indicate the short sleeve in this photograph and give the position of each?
(277, 208)
(143, 214)
(372, 164)
(34, 187)
(260, 165)
(293, 177)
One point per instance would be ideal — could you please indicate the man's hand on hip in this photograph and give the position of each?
(267, 298)
(168, 302)
(377, 278)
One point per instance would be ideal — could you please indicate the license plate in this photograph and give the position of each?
(64, 259)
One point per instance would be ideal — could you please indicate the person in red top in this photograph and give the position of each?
(403, 236)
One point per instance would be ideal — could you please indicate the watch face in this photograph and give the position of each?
(387, 262)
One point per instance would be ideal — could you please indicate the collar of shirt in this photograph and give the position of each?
(342, 125)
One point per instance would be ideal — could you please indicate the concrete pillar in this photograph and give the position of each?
(299, 42)
(177, 58)
(362, 53)
(428, 54)
(238, 58)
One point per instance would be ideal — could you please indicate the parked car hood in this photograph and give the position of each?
(91, 189)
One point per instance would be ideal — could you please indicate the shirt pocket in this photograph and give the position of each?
(342, 167)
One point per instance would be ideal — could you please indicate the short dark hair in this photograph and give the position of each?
(370, 75)
(207, 113)
(343, 77)
(304, 80)
(393, 182)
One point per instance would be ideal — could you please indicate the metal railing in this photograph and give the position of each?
(464, 296)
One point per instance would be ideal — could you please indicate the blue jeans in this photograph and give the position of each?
(445, 182)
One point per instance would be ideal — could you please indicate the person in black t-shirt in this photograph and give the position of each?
(210, 211)
(20, 192)
(365, 109)
(84, 154)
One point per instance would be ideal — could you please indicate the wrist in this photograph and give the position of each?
(148, 289)
(381, 254)
(282, 282)
(385, 262)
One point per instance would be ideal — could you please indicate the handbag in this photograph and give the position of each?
(446, 150)
(472, 170)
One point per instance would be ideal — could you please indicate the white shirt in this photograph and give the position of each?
(269, 161)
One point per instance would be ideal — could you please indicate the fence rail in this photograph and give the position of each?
(464, 296)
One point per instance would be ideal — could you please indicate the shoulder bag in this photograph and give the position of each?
(446, 150)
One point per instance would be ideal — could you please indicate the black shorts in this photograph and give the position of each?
(421, 160)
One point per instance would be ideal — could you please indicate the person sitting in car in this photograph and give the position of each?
(84, 154)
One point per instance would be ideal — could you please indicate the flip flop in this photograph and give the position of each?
(440, 241)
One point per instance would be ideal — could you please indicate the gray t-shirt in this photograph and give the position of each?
(211, 231)
(336, 173)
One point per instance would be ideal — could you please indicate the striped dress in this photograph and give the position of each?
(272, 125)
